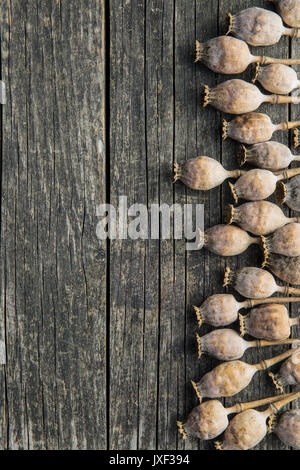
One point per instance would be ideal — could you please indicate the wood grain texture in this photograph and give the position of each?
(197, 132)
(53, 281)
(294, 50)
(261, 385)
(102, 98)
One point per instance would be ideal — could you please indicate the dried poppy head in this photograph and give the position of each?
(277, 78)
(270, 322)
(267, 155)
(219, 310)
(224, 344)
(253, 128)
(257, 217)
(227, 345)
(287, 428)
(226, 240)
(226, 54)
(289, 193)
(248, 428)
(285, 268)
(203, 173)
(206, 421)
(289, 373)
(255, 283)
(259, 184)
(259, 27)
(284, 241)
(229, 378)
(289, 11)
(238, 97)
(209, 419)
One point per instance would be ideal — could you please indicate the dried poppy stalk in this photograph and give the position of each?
(277, 78)
(229, 378)
(284, 241)
(239, 97)
(227, 345)
(209, 419)
(203, 173)
(259, 184)
(255, 283)
(289, 373)
(248, 428)
(223, 309)
(289, 193)
(287, 428)
(229, 55)
(289, 11)
(253, 128)
(226, 240)
(259, 27)
(270, 322)
(285, 268)
(258, 217)
(267, 155)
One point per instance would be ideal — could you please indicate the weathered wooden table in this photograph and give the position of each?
(98, 337)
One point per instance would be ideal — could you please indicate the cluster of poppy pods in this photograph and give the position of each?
(255, 222)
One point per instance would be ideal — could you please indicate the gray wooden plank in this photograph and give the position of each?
(294, 114)
(3, 413)
(3, 416)
(159, 138)
(171, 373)
(53, 267)
(132, 371)
(196, 133)
(261, 385)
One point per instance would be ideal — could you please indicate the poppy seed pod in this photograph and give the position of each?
(239, 97)
(287, 428)
(285, 268)
(255, 283)
(248, 428)
(259, 184)
(258, 217)
(284, 241)
(277, 78)
(226, 240)
(267, 155)
(296, 138)
(203, 173)
(229, 55)
(289, 193)
(289, 11)
(289, 373)
(219, 310)
(209, 419)
(270, 322)
(227, 345)
(253, 128)
(259, 27)
(223, 309)
(230, 378)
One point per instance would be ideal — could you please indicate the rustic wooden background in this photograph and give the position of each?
(98, 338)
